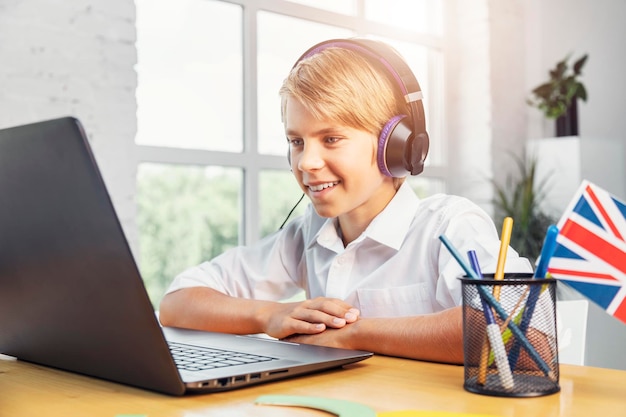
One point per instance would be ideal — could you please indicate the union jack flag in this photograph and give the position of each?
(590, 254)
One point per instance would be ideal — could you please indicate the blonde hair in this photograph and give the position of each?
(341, 85)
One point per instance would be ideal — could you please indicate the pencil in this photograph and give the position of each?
(505, 239)
(495, 339)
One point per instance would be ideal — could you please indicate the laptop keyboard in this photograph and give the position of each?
(197, 358)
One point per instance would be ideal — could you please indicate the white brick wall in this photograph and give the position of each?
(76, 57)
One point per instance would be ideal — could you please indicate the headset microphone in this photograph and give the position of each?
(290, 212)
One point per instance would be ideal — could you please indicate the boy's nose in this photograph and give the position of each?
(310, 158)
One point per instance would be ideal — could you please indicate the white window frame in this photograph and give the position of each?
(252, 162)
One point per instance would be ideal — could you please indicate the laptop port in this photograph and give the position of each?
(282, 371)
(223, 382)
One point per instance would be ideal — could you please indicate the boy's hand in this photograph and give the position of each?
(307, 317)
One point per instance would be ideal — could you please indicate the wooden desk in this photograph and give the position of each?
(384, 383)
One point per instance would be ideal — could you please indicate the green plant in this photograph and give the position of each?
(555, 96)
(520, 198)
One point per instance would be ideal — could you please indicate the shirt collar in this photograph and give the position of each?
(329, 237)
(389, 227)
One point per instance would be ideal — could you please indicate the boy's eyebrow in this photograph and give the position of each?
(321, 132)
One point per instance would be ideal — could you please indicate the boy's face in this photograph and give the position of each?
(335, 166)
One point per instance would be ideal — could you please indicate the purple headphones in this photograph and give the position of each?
(403, 140)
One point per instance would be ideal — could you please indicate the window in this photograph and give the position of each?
(186, 78)
(213, 170)
(181, 221)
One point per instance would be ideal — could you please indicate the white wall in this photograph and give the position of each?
(555, 28)
(485, 81)
(468, 99)
(60, 58)
(498, 50)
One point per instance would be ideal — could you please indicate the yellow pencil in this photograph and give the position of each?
(505, 239)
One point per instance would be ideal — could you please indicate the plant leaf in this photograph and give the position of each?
(578, 65)
(582, 92)
(555, 96)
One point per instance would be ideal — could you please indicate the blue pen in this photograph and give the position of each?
(549, 245)
(495, 338)
(496, 306)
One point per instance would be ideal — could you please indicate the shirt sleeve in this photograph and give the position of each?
(272, 269)
(469, 227)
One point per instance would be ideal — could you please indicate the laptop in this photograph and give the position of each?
(71, 295)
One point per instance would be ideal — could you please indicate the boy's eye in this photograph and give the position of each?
(294, 141)
(332, 139)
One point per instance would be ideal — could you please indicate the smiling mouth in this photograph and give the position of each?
(321, 187)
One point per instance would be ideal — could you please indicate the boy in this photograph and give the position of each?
(366, 251)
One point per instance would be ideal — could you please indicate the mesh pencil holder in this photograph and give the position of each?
(509, 336)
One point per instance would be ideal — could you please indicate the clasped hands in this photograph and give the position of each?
(295, 321)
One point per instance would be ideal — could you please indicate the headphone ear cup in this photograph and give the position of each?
(400, 152)
(382, 155)
(419, 150)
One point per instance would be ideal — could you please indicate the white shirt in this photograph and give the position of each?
(397, 267)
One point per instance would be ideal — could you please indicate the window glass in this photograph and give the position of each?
(185, 215)
(435, 105)
(281, 41)
(417, 15)
(425, 187)
(342, 6)
(279, 193)
(189, 69)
